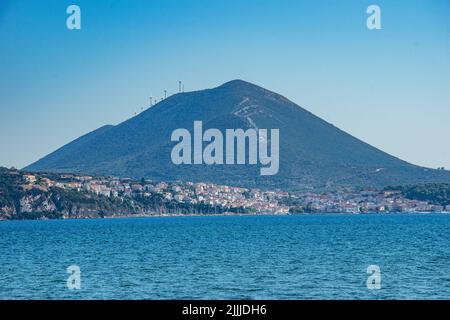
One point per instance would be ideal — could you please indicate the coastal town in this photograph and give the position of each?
(234, 199)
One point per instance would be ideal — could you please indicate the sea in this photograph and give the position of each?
(320, 256)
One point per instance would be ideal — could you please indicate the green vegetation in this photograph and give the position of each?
(10, 191)
(435, 193)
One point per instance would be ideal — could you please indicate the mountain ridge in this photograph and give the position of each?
(313, 152)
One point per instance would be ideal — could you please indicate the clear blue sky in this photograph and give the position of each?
(389, 87)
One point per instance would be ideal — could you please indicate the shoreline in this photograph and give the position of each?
(177, 215)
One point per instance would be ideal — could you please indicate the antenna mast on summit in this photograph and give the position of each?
(165, 94)
(151, 101)
(179, 86)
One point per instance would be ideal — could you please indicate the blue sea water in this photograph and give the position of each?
(230, 257)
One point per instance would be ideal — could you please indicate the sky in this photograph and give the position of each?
(388, 87)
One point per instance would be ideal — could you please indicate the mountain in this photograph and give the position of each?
(313, 153)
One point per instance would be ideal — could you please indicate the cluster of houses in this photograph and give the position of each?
(254, 200)
(366, 201)
(194, 193)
